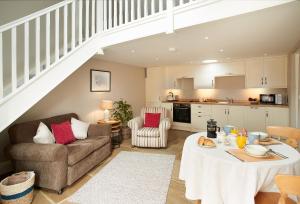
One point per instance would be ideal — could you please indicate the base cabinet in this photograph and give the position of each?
(200, 114)
(277, 116)
(255, 118)
(169, 107)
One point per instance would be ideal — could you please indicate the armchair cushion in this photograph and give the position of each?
(152, 120)
(38, 152)
(148, 132)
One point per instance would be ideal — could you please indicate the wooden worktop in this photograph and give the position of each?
(230, 104)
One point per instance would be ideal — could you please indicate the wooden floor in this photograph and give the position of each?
(176, 188)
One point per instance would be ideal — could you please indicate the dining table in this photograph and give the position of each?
(214, 176)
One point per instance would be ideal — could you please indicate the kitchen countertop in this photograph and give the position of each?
(231, 104)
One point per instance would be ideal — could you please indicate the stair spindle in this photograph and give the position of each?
(65, 30)
(47, 40)
(126, 11)
(87, 16)
(13, 59)
(121, 12)
(93, 17)
(73, 25)
(145, 8)
(138, 7)
(80, 21)
(152, 6)
(131, 10)
(56, 35)
(105, 15)
(26, 52)
(37, 46)
(161, 4)
(115, 13)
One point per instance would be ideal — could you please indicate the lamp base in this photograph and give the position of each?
(106, 115)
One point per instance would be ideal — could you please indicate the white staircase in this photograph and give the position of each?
(59, 39)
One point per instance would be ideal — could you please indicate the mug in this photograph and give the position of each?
(252, 136)
(228, 128)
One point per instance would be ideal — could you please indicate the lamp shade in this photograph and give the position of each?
(106, 105)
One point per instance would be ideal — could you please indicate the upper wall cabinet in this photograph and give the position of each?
(267, 72)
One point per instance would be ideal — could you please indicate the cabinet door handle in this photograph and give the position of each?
(199, 116)
(225, 111)
(266, 82)
(267, 114)
(262, 81)
(228, 111)
(199, 112)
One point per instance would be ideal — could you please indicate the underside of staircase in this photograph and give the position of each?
(81, 28)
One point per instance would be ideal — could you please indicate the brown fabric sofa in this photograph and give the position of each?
(56, 165)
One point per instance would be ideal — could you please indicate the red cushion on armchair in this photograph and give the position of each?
(63, 133)
(152, 120)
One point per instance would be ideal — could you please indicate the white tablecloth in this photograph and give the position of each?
(216, 177)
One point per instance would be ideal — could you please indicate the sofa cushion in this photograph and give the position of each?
(148, 132)
(63, 133)
(80, 149)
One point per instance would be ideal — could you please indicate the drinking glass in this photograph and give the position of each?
(241, 141)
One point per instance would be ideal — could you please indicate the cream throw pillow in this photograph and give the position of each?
(43, 135)
(79, 129)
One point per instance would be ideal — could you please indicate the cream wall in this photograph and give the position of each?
(73, 95)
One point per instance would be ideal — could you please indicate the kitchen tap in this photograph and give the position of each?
(230, 100)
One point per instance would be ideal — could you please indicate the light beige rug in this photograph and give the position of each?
(130, 178)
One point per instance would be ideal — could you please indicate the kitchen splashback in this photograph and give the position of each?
(236, 94)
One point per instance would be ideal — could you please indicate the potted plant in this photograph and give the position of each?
(123, 112)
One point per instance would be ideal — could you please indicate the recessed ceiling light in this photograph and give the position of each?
(132, 51)
(228, 58)
(172, 49)
(221, 50)
(209, 61)
(206, 38)
(265, 54)
(156, 58)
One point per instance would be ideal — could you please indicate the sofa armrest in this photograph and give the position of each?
(38, 152)
(135, 123)
(165, 124)
(96, 130)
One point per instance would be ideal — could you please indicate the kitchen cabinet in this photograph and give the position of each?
(235, 116)
(204, 77)
(276, 116)
(254, 72)
(255, 118)
(200, 114)
(169, 107)
(219, 114)
(275, 72)
(228, 115)
(229, 68)
(266, 72)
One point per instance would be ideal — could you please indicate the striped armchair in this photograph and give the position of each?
(150, 137)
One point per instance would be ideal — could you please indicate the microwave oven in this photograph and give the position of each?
(267, 98)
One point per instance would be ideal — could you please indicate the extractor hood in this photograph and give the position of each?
(230, 82)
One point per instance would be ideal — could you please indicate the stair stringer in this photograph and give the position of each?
(24, 98)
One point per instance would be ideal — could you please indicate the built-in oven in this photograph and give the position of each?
(182, 112)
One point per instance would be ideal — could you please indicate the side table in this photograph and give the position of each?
(116, 137)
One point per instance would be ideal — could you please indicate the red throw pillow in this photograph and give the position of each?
(152, 120)
(63, 133)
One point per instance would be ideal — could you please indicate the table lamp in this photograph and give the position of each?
(106, 105)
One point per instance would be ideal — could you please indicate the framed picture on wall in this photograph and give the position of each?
(100, 81)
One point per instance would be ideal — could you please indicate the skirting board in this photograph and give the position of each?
(5, 167)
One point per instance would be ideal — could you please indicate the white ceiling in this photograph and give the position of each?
(273, 31)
